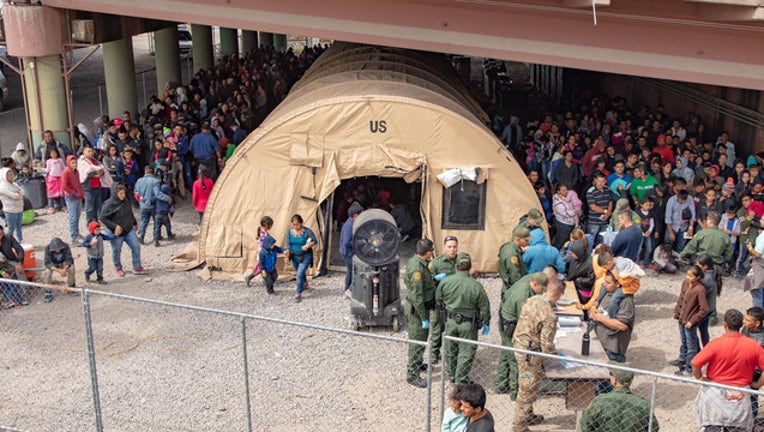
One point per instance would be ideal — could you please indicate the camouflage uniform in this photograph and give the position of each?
(462, 297)
(438, 265)
(420, 300)
(535, 332)
(618, 411)
(511, 265)
(506, 376)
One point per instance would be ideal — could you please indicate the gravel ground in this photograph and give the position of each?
(162, 368)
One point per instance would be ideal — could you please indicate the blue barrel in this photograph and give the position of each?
(35, 190)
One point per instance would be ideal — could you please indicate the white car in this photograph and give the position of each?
(3, 90)
(184, 39)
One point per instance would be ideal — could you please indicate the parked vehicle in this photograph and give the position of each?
(184, 39)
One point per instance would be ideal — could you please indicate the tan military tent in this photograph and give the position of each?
(368, 111)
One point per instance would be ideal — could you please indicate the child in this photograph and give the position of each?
(730, 225)
(54, 167)
(163, 213)
(748, 234)
(266, 258)
(647, 223)
(94, 244)
(664, 259)
(546, 203)
(627, 274)
(201, 190)
(453, 420)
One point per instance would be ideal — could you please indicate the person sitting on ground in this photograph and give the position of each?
(619, 410)
(59, 260)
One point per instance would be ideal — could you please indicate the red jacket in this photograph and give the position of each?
(667, 155)
(70, 182)
(200, 195)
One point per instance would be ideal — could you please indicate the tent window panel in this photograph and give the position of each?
(464, 206)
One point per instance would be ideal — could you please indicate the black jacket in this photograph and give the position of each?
(580, 271)
(58, 254)
(118, 213)
(11, 248)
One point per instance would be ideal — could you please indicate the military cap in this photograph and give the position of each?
(521, 232)
(622, 376)
(536, 215)
(463, 261)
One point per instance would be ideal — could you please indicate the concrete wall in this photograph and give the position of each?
(746, 138)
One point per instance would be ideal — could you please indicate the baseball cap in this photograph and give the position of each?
(463, 261)
(622, 376)
(521, 232)
(536, 215)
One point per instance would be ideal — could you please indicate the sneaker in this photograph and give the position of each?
(298, 298)
(156, 243)
(171, 237)
(536, 419)
(51, 210)
(24, 302)
(683, 373)
(271, 292)
(417, 382)
(140, 271)
(676, 362)
(74, 292)
(248, 278)
(48, 297)
(121, 273)
(65, 210)
(101, 282)
(87, 278)
(141, 240)
(348, 294)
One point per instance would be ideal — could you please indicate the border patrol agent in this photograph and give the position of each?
(467, 310)
(511, 265)
(440, 267)
(420, 300)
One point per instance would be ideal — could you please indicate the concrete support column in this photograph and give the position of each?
(229, 41)
(119, 71)
(202, 47)
(46, 97)
(248, 41)
(266, 39)
(280, 42)
(167, 57)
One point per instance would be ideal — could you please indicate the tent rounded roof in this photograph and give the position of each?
(363, 111)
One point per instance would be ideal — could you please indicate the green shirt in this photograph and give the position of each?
(640, 187)
(442, 264)
(461, 294)
(420, 286)
(511, 265)
(618, 411)
(711, 241)
(517, 294)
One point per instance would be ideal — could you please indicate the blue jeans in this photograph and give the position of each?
(621, 358)
(116, 248)
(742, 256)
(595, 229)
(147, 214)
(162, 220)
(679, 240)
(690, 345)
(301, 264)
(201, 217)
(14, 224)
(10, 291)
(95, 265)
(758, 297)
(349, 275)
(187, 173)
(648, 246)
(92, 204)
(74, 207)
(703, 328)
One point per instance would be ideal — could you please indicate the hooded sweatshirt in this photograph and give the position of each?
(580, 270)
(58, 254)
(70, 181)
(19, 159)
(116, 212)
(11, 195)
(540, 254)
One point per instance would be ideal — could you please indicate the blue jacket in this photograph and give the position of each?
(268, 254)
(162, 207)
(204, 146)
(147, 187)
(540, 254)
(346, 238)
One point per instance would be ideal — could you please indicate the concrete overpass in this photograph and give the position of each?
(703, 41)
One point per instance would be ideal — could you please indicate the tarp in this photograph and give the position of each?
(365, 111)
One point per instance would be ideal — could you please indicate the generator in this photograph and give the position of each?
(376, 294)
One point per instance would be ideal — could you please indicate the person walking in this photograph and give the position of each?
(346, 245)
(509, 312)
(535, 331)
(118, 220)
(300, 241)
(420, 300)
(619, 410)
(467, 310)
(147, 192)
(201, 191)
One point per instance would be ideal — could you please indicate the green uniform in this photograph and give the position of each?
(506, 377)
(438, 265)
(618, 411)
(711, 241)
(535, 332)
(511, 265)
(420, 300)
(462, 297)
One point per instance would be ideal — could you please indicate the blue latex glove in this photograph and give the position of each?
(440, 277)
(486, 329)
(559, 353)
(426, 324)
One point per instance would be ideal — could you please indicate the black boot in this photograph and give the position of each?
(248, 278)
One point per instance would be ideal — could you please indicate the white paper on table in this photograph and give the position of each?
(568, 321)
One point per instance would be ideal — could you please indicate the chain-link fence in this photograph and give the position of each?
(94, 360)
(587, 393)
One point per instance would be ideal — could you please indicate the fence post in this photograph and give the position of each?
(429, 387)
(652, 405)
(145, 100)
(91, 358)
(442, 374)
(100, 102)
(246, 371)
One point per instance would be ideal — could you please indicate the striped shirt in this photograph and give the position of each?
(601, 198)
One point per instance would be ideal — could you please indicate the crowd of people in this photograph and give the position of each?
(176, 147)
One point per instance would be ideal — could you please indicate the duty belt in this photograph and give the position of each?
(459, 318)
